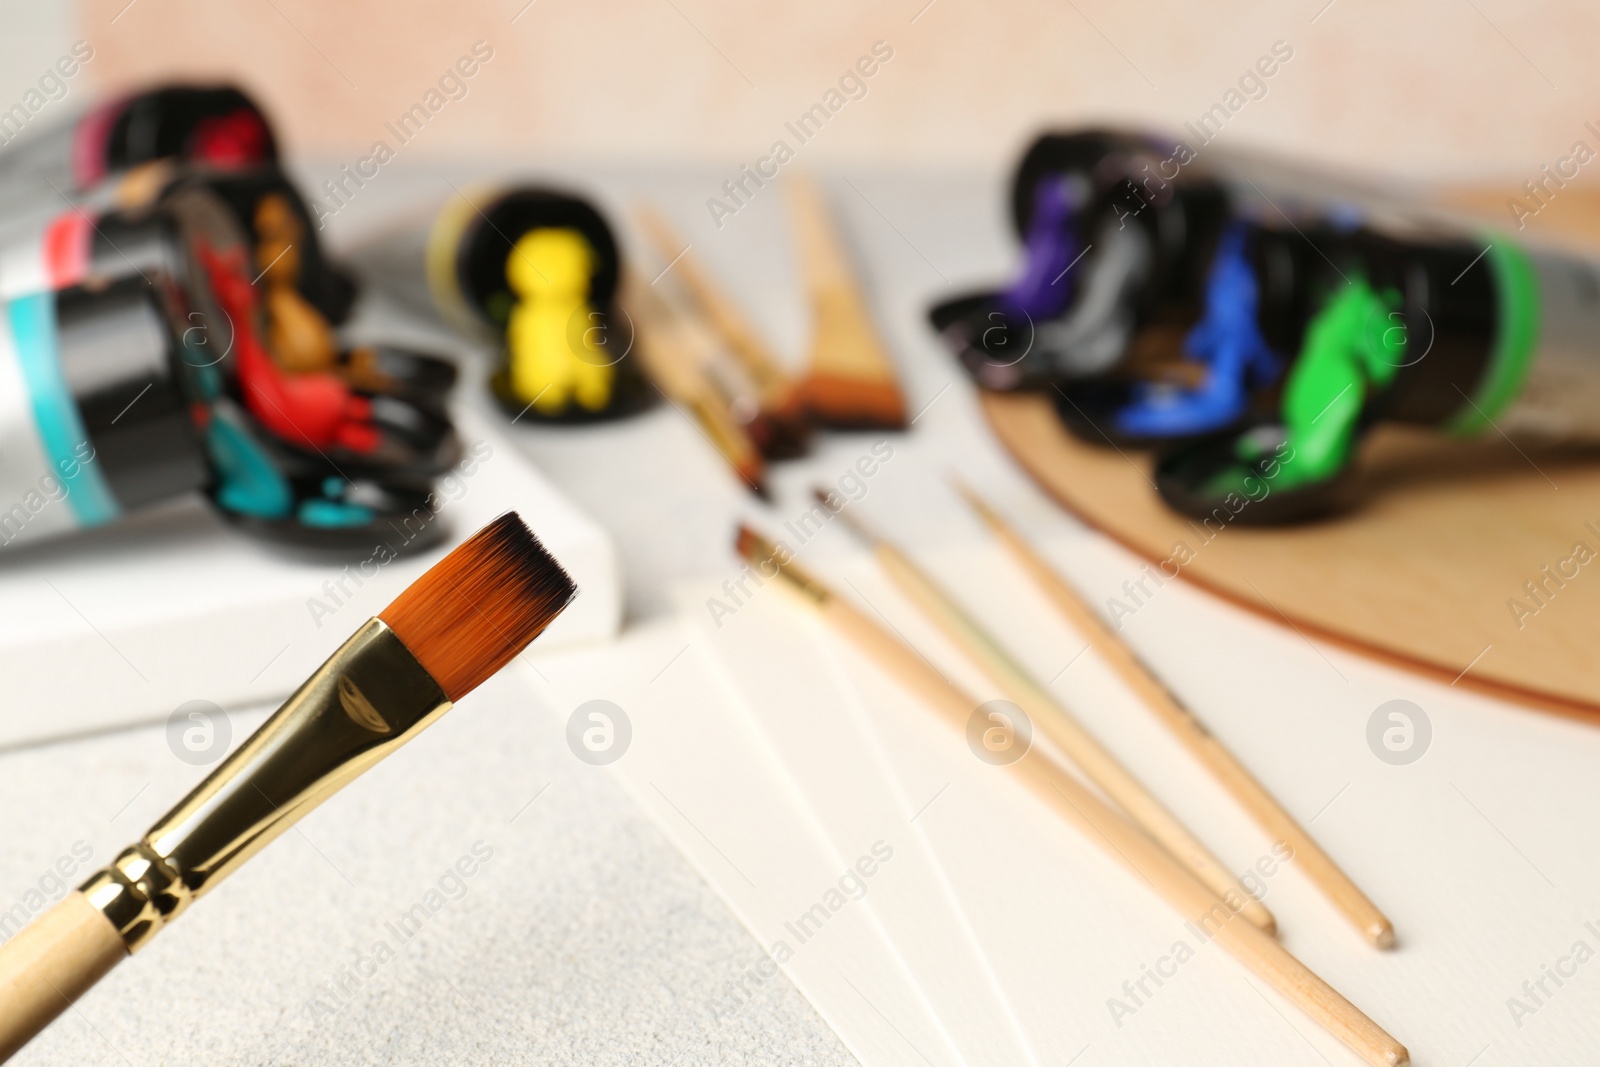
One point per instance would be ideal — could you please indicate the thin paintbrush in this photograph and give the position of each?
(1064, 795)
(1093, 758)
(783, 417)
(1182, 723)
(673, 351)
(463, 620)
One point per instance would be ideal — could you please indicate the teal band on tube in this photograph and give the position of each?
(55, 413)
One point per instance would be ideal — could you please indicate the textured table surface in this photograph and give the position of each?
(582, 938)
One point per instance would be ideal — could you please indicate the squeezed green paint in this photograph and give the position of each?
(1355, 344)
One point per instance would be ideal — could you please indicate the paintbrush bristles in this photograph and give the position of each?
(474, 610)
(974, 501)
(855, 523)
(750, 544)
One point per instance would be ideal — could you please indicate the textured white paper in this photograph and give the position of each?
(1062, 928)
(705, 779)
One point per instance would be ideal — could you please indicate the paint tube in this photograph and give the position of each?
(93, 421)
(212, 132)
(217, 125)
(371, 408)
(1466, 336)
(1129, 253)
(127, 383)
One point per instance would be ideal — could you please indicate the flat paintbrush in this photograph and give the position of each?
(1094, 759)
(1064, 795)
(463, 620)
(850, 382)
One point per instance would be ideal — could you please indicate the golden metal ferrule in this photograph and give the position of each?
(371, 697)
(771, 560)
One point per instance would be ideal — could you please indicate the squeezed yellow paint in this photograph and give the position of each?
(553, 360)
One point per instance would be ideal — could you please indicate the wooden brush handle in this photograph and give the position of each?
(1201, 743)
(1094, 759)
(838, 305)
(1251, 946)
(675, 354)
(50, 964)
(717, 307)
(822, 257)
(850, 378)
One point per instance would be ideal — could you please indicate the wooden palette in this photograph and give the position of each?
(1421, 575)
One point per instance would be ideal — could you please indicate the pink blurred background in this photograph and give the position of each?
(1482, 91)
